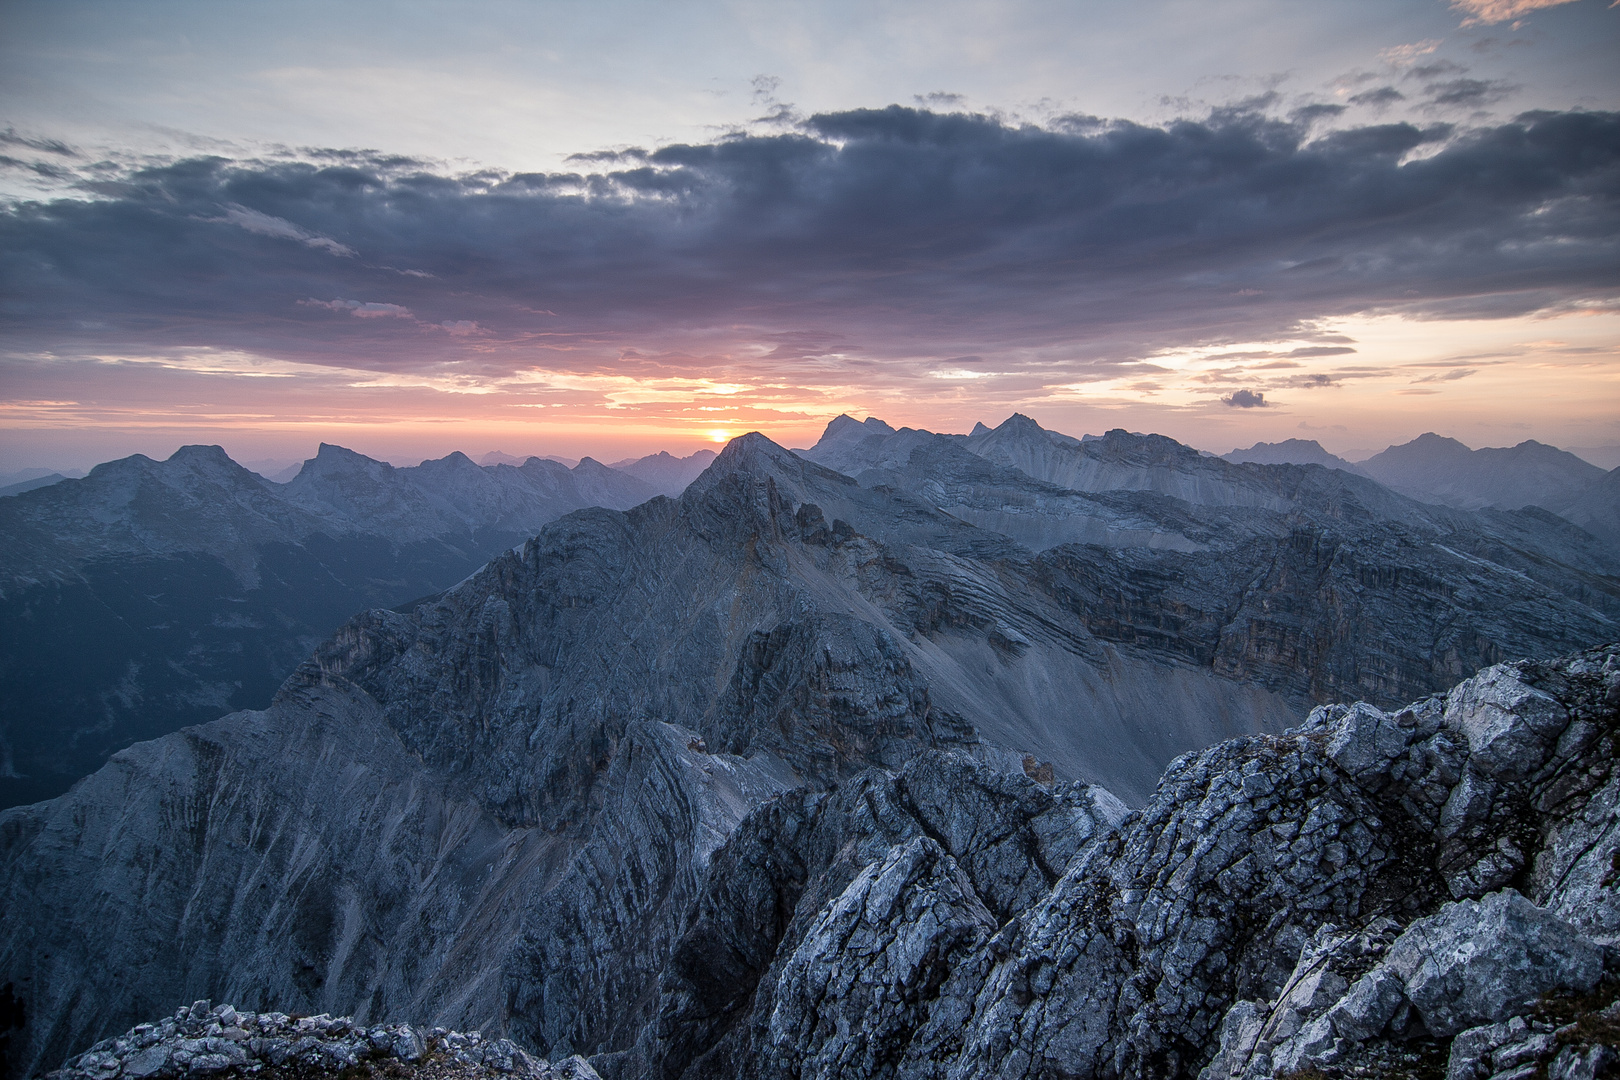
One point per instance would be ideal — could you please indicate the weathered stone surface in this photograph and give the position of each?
(1281, 903)
(205, 1039)
(1478, 962)
(863, 978)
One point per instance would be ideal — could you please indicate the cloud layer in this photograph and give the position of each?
(898, 246)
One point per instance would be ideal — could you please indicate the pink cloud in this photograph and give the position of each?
(1490, 12)
(362, 309)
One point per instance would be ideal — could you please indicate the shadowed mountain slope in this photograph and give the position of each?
(150, 595)
(519, 805)
(1310, 581)
(1441, 470)
(1290, 452)
(587, 717)
(668, 474)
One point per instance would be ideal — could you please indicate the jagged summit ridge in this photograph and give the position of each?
(1340, 895)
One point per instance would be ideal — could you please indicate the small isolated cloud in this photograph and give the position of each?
(1468, 93)
(263, 224)
(363, 310)
(1402, 55)
(1244, 399)
(9, 137)
(1381, 98)
(1491, 12)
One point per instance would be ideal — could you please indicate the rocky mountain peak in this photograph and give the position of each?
(845, 426)
(199, 455)
(1436, 469)
(1289, 452)
(1156, 448)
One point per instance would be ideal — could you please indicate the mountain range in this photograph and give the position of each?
(1435, 469)
(600, 795)
(154, 594)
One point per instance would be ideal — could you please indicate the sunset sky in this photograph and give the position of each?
(614, 227)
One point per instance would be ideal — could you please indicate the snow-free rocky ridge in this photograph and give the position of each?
(1411, 893)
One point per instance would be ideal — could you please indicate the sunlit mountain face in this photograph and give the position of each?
(618, 231)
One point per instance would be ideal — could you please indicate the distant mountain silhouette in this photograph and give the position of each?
(155, 594)
(1290, 452)
(1442, 470)
(665, 472)
(29, 485)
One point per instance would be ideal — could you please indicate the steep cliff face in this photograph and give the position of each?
(1370, 894)
(303, 859)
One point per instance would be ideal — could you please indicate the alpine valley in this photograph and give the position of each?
(908, 755)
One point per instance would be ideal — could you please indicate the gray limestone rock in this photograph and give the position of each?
(323, 1044)
(862, 980)
(1477, 962)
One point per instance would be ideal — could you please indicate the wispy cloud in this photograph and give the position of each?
(1490, 12)
(362, 309)
(1405, 55)
(263, 224)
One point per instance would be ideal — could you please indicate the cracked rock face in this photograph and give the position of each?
(860, 983)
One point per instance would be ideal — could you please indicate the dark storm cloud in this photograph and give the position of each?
(906, 231)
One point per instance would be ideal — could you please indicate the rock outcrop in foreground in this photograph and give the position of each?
(209, 1040)
(1372, 889)
(1435, 889)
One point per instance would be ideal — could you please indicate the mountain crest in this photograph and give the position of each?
(844, 426)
